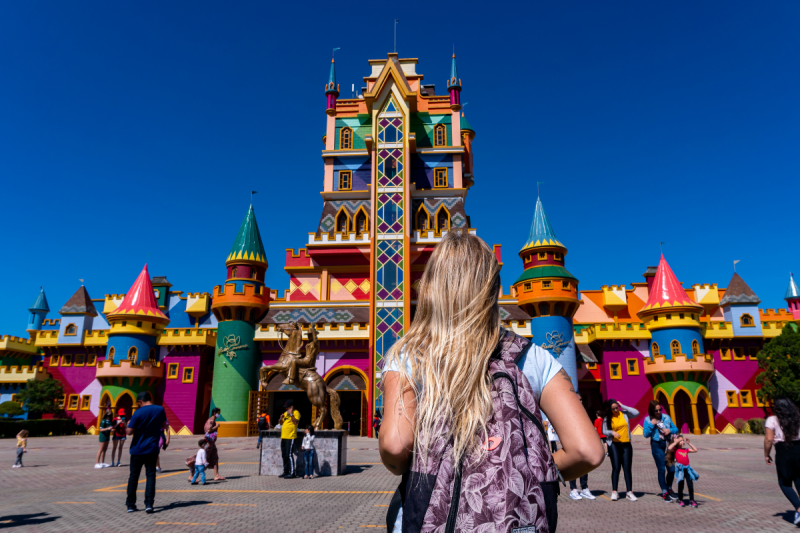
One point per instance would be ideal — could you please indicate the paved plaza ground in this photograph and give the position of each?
(59, 490)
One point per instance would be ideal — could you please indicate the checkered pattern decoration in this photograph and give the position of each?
(390, 227)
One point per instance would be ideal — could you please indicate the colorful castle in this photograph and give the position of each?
(398, 163)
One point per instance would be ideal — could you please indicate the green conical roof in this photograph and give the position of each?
(248, 245)
(465, 125)
(40, 304)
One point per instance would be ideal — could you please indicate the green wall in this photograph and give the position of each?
(235, 377)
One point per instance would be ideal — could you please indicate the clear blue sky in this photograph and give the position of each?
(134, 131)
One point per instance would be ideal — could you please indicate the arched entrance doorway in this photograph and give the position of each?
(351, 386)
(124, 401)
(682, 404)
(705, 413)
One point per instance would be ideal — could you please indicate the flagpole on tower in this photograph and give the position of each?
(734, 265)
(395, 34)
(251, 196)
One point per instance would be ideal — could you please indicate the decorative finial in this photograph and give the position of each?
(734, 265)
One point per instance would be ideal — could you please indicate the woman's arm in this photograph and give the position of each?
(581, 452)
(630, 410)
(649, 428)
(769, 438)
(396, 438)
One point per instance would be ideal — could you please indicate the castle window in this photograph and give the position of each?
(542, 256)
(235, 272)
(72, 405)
(733, 398)
(226, 312)
(188, 375)
(614, 371)
(253, 314)
(746, 398)
(440, 135)
(738, 354)
(72, 329)
(747, 321)
(676, 347)
(654, 349)
(60, 403)
(565, 285)
(442, 220)
(423, 219)
(54, 360)
(440, 177)
(558, 310)
(695, 348)
(345, 180)
(547, 284)
(151, 355)
(132, 353)
(91, 359)
(544, 309)
(342, 222)
(361, 223)
(138, 324)
(80, 359)
(346, 139)
(725, 354)
(526, 287)
(240, 313)
(753, 353)
(66, 360)
(86, 401)
(111, 354)
(557, 256)
(172, 371)
(633, 366)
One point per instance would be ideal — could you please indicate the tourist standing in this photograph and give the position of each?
(659, 428)
(211, 428)
(585, 493)
(308, 452)
(104, 435)
(145, 426)
(456, 332)
(289, 421)
(376, 423)
(263, 425)
(22, 447)
(200, 463)
(617, 426)
(678, 457)
(118, 437)
(783, 431)
(598, 426)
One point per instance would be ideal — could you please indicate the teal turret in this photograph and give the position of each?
(39, 311)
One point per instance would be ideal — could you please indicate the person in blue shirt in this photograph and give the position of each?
(146, 426)
(659, 428)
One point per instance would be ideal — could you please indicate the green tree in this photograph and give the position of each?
(41, 396)
(11, 409)
(780, 362)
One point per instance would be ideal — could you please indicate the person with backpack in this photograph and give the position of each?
(782, 430)
(617, 428)
(263, 425)
(376, 423)
(463, 402)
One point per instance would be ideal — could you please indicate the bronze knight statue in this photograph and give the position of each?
(300, 371)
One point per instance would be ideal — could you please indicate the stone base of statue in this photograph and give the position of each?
(330, 458)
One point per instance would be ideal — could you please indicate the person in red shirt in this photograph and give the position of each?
(598, 426)
(118, 436)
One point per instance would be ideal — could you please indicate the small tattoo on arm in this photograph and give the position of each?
(564, 375)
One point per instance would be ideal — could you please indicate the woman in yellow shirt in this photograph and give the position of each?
(617, 429)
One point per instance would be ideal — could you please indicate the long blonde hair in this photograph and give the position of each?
(449, 343)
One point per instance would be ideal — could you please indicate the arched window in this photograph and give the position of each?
(747, 321)
(253, 314)
(226, 312)
(72, 329)
(342, 222)
(132, 353)
(695, 348)
(544, 309)
(423, 219)
(346, 139)
(234, 272)
(442, 220)
(111, 354)
(152, 355)
(676, 347)
(655, 350)
(559, 309)
(361, 223)
(240, 313)
(440, 135)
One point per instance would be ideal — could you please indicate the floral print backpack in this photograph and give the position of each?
(513, 490)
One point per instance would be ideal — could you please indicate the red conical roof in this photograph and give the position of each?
(667, 292)
(140, 302)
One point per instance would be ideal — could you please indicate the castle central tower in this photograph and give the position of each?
(239, 305)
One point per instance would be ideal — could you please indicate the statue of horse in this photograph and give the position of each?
(301, 371)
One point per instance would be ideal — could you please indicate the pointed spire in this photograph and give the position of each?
(454, 79)
(792, 292)
(140, 301)
(40, 304)
(738, 292)
(542, 233)
(331, 86)
(79, 304)
(667, 291)
(248, 245)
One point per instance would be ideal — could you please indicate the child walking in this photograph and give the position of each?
(22, 447)
(200, 462)
(308, 452)
(678, 455)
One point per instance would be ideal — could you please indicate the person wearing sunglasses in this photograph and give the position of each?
(659, 428)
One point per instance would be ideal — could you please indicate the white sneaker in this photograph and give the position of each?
(105, 465)
(98, 465)
(631, 497)
(614, 496)
(14, 466)
(158, 469)
(585, 493)
(574, 494)
(796, 518)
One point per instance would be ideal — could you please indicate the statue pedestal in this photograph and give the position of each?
(330, 458)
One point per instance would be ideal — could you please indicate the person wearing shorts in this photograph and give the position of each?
(118, 437)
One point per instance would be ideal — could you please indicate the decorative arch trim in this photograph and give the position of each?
(333, 371)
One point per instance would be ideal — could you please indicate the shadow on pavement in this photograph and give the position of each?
(26, 520)
(788, 516)
(178, 505)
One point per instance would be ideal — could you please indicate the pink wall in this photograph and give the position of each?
(634, 391)
(183, 401)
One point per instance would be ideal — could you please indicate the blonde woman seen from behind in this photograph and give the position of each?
(438, 391)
